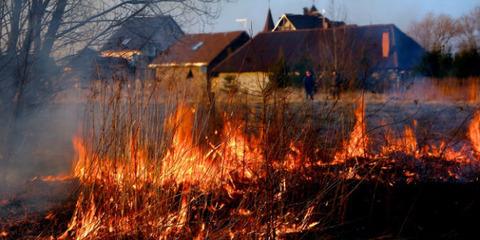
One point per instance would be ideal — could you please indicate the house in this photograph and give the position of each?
(139, 40)
(141, 35)
(80, 68)
(311, 19)
(355, 52)
(189, 62)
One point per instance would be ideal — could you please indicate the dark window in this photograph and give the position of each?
(190, 74)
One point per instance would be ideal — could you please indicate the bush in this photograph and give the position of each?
(280, 74)
(436, 64)
(467, 64)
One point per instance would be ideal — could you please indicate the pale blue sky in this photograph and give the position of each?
(361, 12)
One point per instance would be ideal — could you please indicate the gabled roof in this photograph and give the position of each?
(317, 45)
(138, 32)
(305, 21)
(310, 19)
(83, 57)
(201, 49)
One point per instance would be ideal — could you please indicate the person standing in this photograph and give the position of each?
(309, 83)
(337, 85)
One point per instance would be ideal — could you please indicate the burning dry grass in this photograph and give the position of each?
(474, 132)
(402, 159)
(183, 171)
(174, 179)
(237, 185)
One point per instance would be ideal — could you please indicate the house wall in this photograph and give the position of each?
(285, 25)
(175, 80)
(249, 82)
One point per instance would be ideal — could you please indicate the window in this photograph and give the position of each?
(197, 46)
(125, 42)
(190, 74)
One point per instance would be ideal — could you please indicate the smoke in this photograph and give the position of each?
(38, 141)
(42, 145)
(448, 90)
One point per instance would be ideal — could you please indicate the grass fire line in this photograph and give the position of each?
(182, 184)
(160, 198)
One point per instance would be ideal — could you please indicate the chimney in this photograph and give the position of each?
(314, 11)
(385, 44)
(306, 11)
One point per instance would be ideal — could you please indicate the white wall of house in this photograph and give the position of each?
(248, 82)
(178, 81)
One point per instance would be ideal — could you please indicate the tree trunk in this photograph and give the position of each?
(53, 27)
(2, 19)
(14, 28)
(33, 37)
(20, 79)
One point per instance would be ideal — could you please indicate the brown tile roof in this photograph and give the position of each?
(201, 49)
(316, 45)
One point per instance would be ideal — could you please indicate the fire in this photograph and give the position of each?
(459, 162)
(474, 132)
(406, 144)
(89, 223)
(160, 195)
(51, 178)
(133, 180)
(184, 161)
(357, 144)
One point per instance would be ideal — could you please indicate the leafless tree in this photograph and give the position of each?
(469, 30)
(435, 32)
(36, 34)
(350, 62)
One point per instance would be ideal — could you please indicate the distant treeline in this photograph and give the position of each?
(462, 65)
(452, 44)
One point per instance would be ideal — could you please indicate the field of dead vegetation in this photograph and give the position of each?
(286, 168)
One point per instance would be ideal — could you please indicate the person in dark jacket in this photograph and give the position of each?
(309, 83)
(337, 85)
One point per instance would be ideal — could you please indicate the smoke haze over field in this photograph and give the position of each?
(45, 147)
(362, 12)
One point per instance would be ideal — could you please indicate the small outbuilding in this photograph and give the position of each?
(187, 65)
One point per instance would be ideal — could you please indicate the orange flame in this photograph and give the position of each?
(357, 144)
(131, 180)
(406, 144)
(474, 132)
(183, 163)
